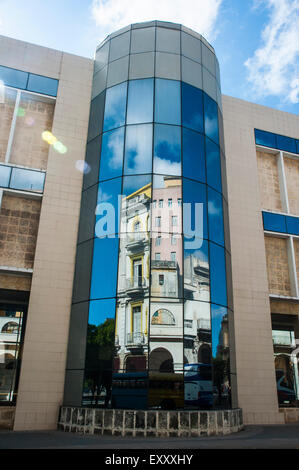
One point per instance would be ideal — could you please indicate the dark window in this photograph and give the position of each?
(274, 222)
(266, 139)
(192, 107)
(211, 119)
(286, 143)
(167, 102)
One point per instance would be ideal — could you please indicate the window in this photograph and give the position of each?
(161, 279)
(169, 202)
(174, 220)
(140, 101)
(158, 241)
(157, 256)
(163, 317)
(179, 202)
(161, 203)
(158, 222)
(154, 204)
(173, 239)
(173, 256)
(115, 106)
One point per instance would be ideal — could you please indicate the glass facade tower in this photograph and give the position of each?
(152, 298)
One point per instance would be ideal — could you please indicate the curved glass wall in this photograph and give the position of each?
(151, 272)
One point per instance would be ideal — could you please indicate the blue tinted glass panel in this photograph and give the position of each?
(193, 156)
(167, 150)
(131, 184)
(4, 176)
(292, 225)
(44, 85)
(138, 152)
(168, 102)
(104, 272)
(215, 216)
(267, 139)
(220, 354)
(192, 107)
(196, 270)
(213, 165)
(195, 210)
(111, 164)
(107, 216)
(286, 143)
(140, 101)
(274, 222)
(217, 275)
(13, 78)
(115, 106)
(99, 352)
(211, 119)
(297, 146)
(27, 179)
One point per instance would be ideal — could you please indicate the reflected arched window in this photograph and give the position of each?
(10, 327)
(163, 317)
(137, 226)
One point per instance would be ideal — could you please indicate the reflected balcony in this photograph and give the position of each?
(283, 339)
(135, 340)
(135, 286)
(138, 240)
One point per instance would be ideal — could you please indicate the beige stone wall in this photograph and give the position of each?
(19, 218)
(6, 113)
(269, 182)
(35, 116)
(13, 282)
(284, 307)
(256, 383)
(278, 266)
(44, 356)
(292, 178)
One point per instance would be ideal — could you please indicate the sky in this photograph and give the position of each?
(256, 41)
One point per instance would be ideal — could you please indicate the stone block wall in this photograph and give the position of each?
(150, 423)
(19, 219)
(269, 181)
(292, 177)
(277, 266)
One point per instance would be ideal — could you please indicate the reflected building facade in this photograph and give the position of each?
(153, 251)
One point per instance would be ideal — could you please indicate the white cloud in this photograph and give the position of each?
(274, 67)
(199, 15)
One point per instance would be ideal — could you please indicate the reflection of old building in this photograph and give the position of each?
(133, 283)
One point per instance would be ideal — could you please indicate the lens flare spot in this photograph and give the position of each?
(59, 147)
(83, 167)
(48, 137)
(21, 112)
(29, 121)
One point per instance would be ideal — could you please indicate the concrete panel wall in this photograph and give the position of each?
(253, 339)
(43, 365)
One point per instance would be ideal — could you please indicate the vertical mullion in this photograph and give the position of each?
(283, 183)
(12, 127)
(292, 267)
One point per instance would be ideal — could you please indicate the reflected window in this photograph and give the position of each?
(43, 85)
(163, 317)
(140, 101)
(220, 353)
(138, 153)
(168, 102)
(215, 216)
(193, 156)
(192, 107)
(111, 162)
(11, 328)
(211, 119)
(115, 107)
(167, 150)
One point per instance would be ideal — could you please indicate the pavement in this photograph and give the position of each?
(284, 436)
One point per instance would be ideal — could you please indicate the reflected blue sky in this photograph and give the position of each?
(211, 119)
(100, 310)
(138, 152)
(193, 156)
(192, 107)
(134, 183)
(215, 216)
(115, 106)
(167, 150)
(140, 101)
(193, 193)
(108, 192)
(111, 163)
(218, 274)
(213, 165)
(104, 271)
(168, 102)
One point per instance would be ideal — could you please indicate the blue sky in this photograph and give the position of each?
(256, 41)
